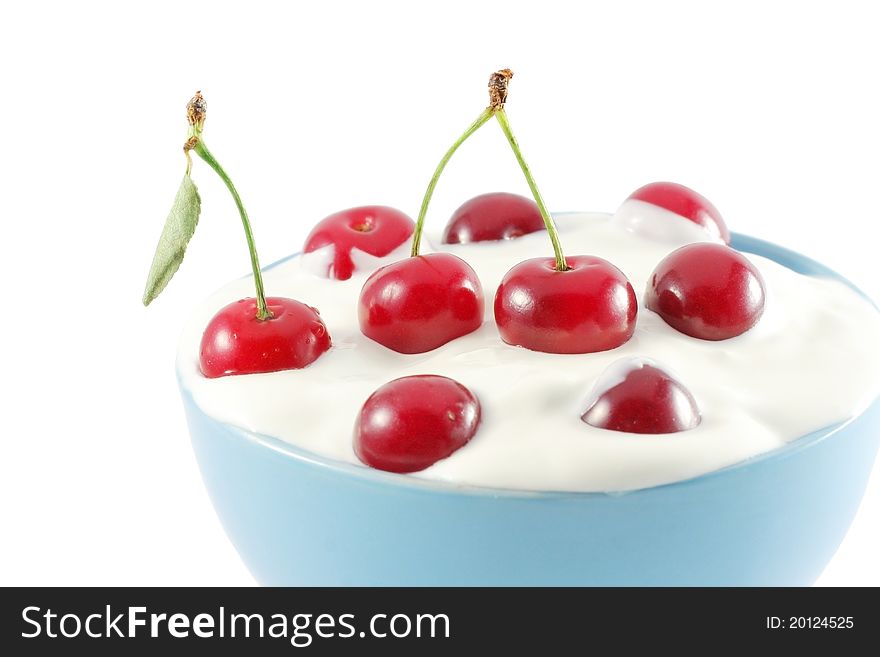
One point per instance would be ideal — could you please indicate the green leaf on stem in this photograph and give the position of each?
(179, 228)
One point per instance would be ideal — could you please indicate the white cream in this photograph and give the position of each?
(811, 362)
(659, 224)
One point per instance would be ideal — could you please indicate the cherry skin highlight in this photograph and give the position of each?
(707, 291)
(236, 342)
(420, 303)
(496, 216)
(687, 203)
(373, 229)
(647, 401)
(411, 423)
(591, 307)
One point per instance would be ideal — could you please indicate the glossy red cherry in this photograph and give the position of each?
(411, 423)
(236, 342)
(373, 229)
(591, 307)
(420, 303)
(496, 216)
(637, 396)
(707, 291)
(687, 203)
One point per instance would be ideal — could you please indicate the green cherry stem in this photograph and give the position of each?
(196, 110)
(561, 263)
(420, 222)
(202, 151)
(498, 83)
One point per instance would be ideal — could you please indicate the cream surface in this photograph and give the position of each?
(811, 362)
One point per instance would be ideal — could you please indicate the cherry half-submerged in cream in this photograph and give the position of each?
(707, 291)
(588, 308)
(420, 303)
(494, 216)
(678, 200)
(636, 395)
(374, 229)
(411, 423)
(236, 342)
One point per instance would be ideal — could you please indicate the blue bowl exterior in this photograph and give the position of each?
(299, 519)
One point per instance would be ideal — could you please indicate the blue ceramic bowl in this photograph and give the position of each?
(297, 518)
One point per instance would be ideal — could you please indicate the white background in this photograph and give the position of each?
(770, 109)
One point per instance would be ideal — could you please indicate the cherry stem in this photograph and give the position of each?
(202, 151)
(420, 222)
(561, 264)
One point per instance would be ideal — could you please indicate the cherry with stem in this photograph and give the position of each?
(580, 304)
(252, 335)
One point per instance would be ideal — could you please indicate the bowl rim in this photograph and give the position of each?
(791, 259)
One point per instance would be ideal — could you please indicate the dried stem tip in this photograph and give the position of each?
(190, 144)
(196, 109)
(498, 82)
